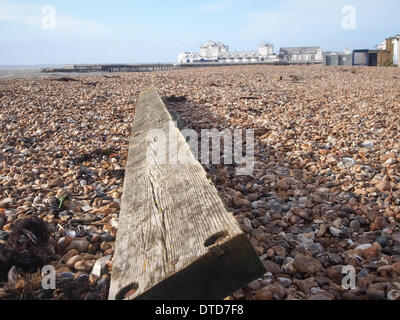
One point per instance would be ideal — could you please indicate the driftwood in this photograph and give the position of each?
(175, 238)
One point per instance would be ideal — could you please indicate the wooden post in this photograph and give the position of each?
(175, 238)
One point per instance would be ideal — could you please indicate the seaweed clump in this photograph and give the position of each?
(27, 247)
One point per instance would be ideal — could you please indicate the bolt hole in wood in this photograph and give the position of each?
(215, 238)
(127, 291)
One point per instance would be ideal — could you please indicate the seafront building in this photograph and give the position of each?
(385, 55)
(390, 49)
(218, 53)
(338, 58)
(301, 55)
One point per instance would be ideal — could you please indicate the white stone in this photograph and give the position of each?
(368, 144)
(335, 232)
(99, 265)
(86, 208)
(348, 162)
(390, 161)
(364, 246)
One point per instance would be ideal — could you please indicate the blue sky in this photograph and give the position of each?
(131, 31)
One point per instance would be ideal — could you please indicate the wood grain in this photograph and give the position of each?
(175, 238)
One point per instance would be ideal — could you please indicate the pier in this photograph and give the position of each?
(115, 68)
(144, 67)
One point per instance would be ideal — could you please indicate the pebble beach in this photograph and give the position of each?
(324, 193)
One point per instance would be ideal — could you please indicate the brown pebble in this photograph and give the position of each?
(307, 264)
(71, 253)
(283, 184)
(272, 267)
(263, 294)
(71, 262)
(84, 265)
(396, 268)
(384, 185)
(240, 202)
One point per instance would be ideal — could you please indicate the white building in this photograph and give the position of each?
(396, 48)
(212, 50)
(217, 52)
(301, 55)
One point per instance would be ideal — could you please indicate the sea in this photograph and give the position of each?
(24, 71)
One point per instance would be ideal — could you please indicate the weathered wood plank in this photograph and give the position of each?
(175, 238)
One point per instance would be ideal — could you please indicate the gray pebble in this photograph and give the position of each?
(383, 241)
(355, 225)
(4, 235)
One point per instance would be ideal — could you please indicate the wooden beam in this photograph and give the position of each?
(175, 238)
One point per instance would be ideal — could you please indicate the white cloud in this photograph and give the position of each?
(215, 7)
(31, 16)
